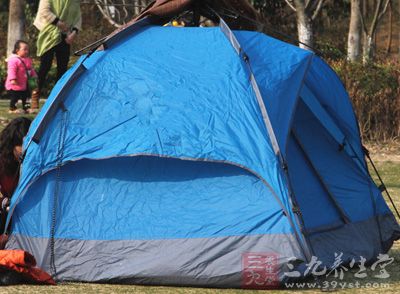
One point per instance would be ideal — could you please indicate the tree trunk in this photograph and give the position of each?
(304, 27)
(390, 33)
(306, 34)
(354, 38)
(367, 48)
(370, 33)
(16, 23)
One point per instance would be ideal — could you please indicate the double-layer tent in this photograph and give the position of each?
(191, 156)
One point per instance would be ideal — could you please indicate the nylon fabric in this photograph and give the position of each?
(279, 78)
(215, 262)
(324, 83)
(364, 239)
(353, 191)
(172, 106)
(143, 198)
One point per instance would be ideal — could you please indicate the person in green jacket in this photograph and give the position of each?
(58, 22)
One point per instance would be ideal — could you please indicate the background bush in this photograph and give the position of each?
(374, 91)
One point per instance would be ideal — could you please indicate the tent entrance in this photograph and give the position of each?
(330, 125)
(300, 146)
(309, 171)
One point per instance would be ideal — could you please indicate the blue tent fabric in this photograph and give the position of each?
(154, 164)
(272, 72)
(327, 87)
(154, 194)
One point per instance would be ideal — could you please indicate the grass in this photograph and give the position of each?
(6, 117)
(387, 164)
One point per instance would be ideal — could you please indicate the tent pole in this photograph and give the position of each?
(382, 187)
(296, 220)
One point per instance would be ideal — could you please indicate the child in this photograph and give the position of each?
(19, 70)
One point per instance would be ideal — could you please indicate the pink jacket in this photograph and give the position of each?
(16, 71)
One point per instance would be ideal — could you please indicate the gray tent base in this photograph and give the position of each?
(194, 262)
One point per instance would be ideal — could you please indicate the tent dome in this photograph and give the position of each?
(176, 155)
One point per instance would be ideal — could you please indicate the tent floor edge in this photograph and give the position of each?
(221, 262)
(356, 240)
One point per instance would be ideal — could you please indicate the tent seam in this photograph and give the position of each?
(270, 131)
(251, 171)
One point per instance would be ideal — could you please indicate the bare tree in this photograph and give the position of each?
(16, 23)
(354, 37)
(306, 13)
(119, 12)
(390, 33)
(369, 32)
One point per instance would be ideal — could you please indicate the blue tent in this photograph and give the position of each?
(189, 156)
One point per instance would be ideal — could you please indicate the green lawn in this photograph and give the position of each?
(6, 117)
(389, 168)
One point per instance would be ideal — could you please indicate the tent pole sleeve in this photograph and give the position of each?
(342, 214)
(274, 142)
(320, 113)
(330, 125)
(236, 45)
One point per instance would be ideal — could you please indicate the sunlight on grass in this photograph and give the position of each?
(6, 117)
